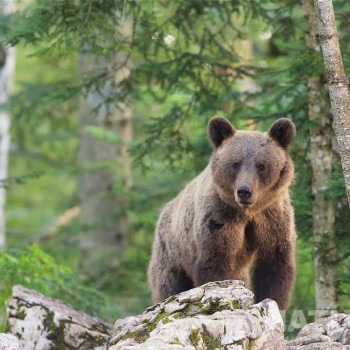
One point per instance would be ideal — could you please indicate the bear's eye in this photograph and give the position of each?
(235, 166)
(260, 167)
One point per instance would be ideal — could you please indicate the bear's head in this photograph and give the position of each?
(251, 169)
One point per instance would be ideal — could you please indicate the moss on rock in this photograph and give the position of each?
(195, 337)
(162, 316)
(209, 342)
(176, 341)
(235, 304)
(55, 333)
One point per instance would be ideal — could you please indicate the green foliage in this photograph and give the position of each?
(19, 180)
(188, 64)
(104, 135)
(35, 269)
(31, 268)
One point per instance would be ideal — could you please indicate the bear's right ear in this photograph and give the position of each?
(283, 131)
(219, 129)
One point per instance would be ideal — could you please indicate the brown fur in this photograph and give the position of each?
(210, 233)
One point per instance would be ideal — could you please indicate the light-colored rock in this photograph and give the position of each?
(308, 339)
(216, 315)
(321, 346)
(270, 320)
(331, 332)
(8, 342)
(333, 326)
(41, 323)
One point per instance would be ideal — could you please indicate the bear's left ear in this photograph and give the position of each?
(219, 129)
(283, 131)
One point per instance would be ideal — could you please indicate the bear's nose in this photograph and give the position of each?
(244, 193)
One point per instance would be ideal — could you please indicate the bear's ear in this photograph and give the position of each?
(219, 129)
(283, 131)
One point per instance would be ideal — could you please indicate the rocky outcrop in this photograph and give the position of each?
(43, 323)
(8, 342)
(217, 315)
(326, 333)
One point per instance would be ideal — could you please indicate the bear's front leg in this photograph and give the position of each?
(275, 274)
(217, 254)
(210, 269)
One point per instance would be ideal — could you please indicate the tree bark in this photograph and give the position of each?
(321, 163)
(337, 83)
(105, 238)
(7, 67)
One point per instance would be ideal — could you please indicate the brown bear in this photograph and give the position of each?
(234, 216)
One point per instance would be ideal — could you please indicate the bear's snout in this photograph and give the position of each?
(244, 193)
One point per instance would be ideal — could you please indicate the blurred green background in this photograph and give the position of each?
(186, 61)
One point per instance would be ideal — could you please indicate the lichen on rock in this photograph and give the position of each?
(217, 315)
(44, 323)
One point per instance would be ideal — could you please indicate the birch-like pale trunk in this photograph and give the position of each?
(103, 244)
(7, 67)
(337, 83)
(321, 163)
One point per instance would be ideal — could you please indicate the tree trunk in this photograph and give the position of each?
(105, 238)
(321, 162)
(337, 83)
(7, 67)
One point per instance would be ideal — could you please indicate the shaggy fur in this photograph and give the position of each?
(234, 216)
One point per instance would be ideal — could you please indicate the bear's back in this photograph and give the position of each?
(181, 216)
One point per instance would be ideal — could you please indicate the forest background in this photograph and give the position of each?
(108, 122)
